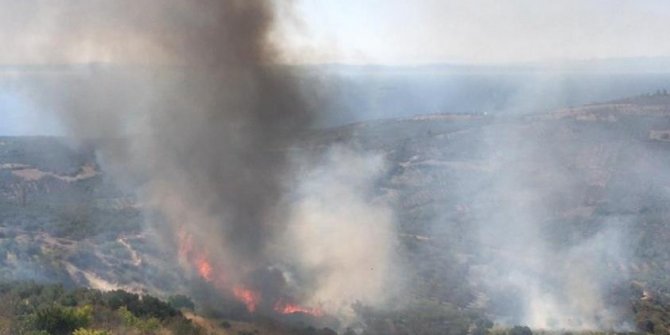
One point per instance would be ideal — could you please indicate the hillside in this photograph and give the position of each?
(488, 210)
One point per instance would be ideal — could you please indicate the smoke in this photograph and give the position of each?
(209, 128)
(337, 217)
(545, 261)
(193, 109)
(191, 104)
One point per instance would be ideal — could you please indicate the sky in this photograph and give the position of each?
(390, 32)
(477, 31)
(19, 117)
(367, 31)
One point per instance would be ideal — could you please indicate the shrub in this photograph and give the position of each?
(58, 320)
(149, 306)
(119, 298)
(145, 326)
(180, 301)
(83, 331)
(520, 330)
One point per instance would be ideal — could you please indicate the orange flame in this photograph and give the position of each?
(248, 297)
(194, 258)
(204, 268)
(198, 260)
(285, 308)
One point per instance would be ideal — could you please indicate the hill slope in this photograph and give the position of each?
(557, 220)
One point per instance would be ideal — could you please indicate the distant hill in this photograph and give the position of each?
(343, 94)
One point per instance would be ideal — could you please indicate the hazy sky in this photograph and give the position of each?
(366, 31)
(18, 117)
(349, 31)
(410, 31)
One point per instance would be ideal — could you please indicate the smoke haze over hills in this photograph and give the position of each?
(494, 197)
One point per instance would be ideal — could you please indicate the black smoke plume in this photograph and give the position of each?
(195, 90)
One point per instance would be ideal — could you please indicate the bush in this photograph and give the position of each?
(145, 306)
(119, 298)
(520, 330)
(150, 306)
(180, 301)
(83, 331)
(145, 326)
(58, 320)
(182, 326)
(33, 309)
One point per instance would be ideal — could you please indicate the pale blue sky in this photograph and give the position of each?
(19, 117)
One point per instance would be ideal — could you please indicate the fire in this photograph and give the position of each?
(193, 257)
(285, 308)
(197, 259)
(204, 268)
(248, 297)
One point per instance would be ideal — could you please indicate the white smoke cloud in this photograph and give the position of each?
(558, 281)
(342, 232)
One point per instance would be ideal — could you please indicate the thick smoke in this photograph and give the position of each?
(203, 121)
(208, 132)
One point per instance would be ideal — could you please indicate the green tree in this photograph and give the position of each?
(58, 320)
(180, 301)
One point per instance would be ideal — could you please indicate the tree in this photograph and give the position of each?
(58, 320)
(520, 330)
(180, 301)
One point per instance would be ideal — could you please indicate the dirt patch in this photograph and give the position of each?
(33, 174)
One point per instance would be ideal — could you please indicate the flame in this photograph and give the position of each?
(204, 268)
(286, 308)
(248, 297)
(193, 257)
(199, 261)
